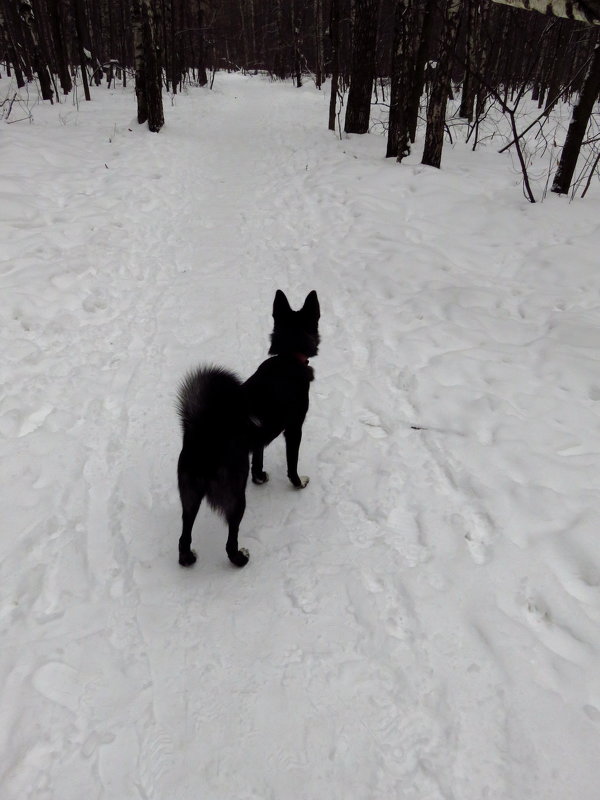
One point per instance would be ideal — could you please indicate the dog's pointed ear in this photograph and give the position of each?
(280, 304)
(311, 305)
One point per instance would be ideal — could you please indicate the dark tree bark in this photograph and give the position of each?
(279, 61)
(173, 48)
(467, 99)
(28, 20)
(402, 76)
(559, 54)
(80, 28)
(60, 40)
(421, 49)
(9, 21)
(420, 62)
(334, 32)
(298, 14)
(481, 61)
(364, 36)
(436, 111)
(139, 62)
(581, 115)
(201, 57)
(319, 68)
(148, 78)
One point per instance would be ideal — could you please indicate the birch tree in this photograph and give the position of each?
(587, 11)
(436, 110)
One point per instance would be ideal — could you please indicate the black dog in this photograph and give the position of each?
(224, 420)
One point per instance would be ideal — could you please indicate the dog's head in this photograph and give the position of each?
(295, 331)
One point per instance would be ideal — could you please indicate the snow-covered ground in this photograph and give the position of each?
(423, 622)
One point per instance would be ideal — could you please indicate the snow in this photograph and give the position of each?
(422, 621)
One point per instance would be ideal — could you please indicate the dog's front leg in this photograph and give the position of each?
(258, 474)
(293, 437)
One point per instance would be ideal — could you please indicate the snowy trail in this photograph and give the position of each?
(421, 622)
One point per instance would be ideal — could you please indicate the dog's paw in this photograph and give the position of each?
(241, 558)
(260, 478)
(187, 559)
(302, 482)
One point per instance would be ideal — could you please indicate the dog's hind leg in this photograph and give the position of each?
(234, 514)
(258, 474)
(191, 496)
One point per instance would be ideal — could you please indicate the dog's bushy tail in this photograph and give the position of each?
(209, 403)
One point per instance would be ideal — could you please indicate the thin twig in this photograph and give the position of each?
(545, 113)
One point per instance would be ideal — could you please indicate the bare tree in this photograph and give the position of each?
(319, 57)
(334, 32)
(436, 110)
(80, 28)
(148, 83)
(364, 33)
(581, 115)
(32, 39)
(402, 77)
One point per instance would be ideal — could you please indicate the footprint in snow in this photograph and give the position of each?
(592, 712)
(95, 302)
(594, 393)
(555, 637)
(476, 528)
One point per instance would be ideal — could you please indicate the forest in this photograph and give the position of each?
(421, 621)
(413, 54)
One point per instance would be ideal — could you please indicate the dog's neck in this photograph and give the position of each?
(302, 358)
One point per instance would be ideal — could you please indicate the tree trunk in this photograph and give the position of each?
(398, 142)
(175, 45)
(139, 62)
(420, 62)
(481, 62)
(334, 32)
(579, 121)
(364, 40)
(79, 15)
(8, 21)
(148, 74)
(58, 34)
(319, 71)
(252, 34)
(201, 62)
(279, 61)
(25, 11)
(569, 9)
(298, 14)
(467, 99)
(436, 111)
